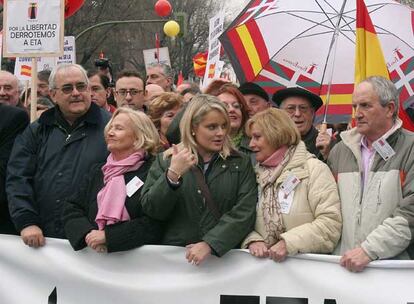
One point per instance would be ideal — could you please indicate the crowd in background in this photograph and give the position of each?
(143, 161)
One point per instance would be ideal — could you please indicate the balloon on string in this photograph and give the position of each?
(171, 28)
(72, 6)
(163, 8)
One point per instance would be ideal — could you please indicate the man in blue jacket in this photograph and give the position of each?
(52, 155)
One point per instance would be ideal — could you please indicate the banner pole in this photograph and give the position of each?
(33, 95)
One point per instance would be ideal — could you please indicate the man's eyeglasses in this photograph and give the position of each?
(133, 92)
(68, 88)
(291, 109)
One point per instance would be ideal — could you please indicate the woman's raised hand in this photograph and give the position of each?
(181, 162)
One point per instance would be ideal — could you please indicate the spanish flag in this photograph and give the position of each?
(369, 59)
(211, 70)
(200, 63)
(26, 70)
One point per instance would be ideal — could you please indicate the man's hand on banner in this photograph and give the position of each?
(197, 253)
(278, 252)
(33, 236)
(259, 249)
(96, 239)
(355, 260)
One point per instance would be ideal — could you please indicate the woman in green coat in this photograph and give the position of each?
(203, 189)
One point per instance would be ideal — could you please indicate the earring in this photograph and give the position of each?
(192, 133)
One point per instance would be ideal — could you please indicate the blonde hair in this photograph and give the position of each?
(276, 126)
(146, 134)
(197, 109)
(161, 104)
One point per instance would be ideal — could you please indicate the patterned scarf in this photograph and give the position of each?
(236, 140)
(268, 198)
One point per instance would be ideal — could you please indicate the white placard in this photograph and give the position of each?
(150, 56)
(69, 51)
(33, 28)
(23, 66)
(214, 66)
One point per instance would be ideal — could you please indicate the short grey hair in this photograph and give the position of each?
(64, 66)
(386, 91)
(19, 84)
(166, 69)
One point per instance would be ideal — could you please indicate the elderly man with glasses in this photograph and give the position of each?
(301, 106)
(130, 90)
(51, 156)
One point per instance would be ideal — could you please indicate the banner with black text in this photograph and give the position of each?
(161, 274)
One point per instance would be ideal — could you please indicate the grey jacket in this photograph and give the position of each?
(380, 217)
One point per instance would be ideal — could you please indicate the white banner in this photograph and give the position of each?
(214, 66)
(33, 28)
(160, 274)
(23, 66)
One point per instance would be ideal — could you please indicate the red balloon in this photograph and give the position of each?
(163, 8)
(72, 6)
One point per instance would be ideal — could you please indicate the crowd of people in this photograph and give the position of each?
(215, 169)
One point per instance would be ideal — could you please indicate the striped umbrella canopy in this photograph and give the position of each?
(285, 43)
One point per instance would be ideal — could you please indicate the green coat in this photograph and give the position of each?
(232, 184)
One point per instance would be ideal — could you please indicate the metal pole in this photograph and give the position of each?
(117, 22)
(334, 44)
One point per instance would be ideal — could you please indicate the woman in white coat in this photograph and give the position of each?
(298, 209)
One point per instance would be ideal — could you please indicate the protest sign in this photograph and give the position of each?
(214, 65)
(23, 66)
(151, 56)
(33, 28)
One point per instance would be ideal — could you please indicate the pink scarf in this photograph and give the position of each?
(276, 158)
(111, 198)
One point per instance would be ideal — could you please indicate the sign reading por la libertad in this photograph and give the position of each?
(33, 28)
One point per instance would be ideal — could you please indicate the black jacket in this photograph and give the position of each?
(47, 163)
(80, 212)
(13, 121)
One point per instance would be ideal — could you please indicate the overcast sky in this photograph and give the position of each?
(234, 7)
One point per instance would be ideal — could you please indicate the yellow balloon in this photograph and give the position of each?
(171, 28)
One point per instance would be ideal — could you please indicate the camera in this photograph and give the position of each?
(102, 63)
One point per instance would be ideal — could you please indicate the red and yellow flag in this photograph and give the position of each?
(369, 59)
(26, 70)
(200, 63)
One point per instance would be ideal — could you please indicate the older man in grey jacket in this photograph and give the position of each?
(374, 166)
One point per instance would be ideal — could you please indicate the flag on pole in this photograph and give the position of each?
(180, 79)
(157, 47)
(369, 58)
